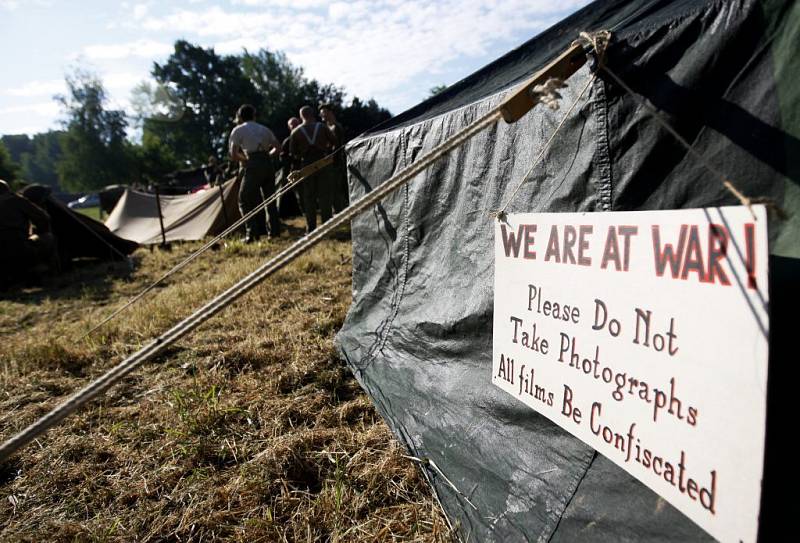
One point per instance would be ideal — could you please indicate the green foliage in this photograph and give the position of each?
(151, 160)
(184, 117)
(95, 152)
(37, 157)
(17, 145)
(284, 89)
(8, 170)
(358, 116)
(436, 90)
(211, 88)
(41, 164)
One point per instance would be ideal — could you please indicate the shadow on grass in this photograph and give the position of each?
(88, 278)
(296, 232)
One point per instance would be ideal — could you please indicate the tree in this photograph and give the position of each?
(358, 117)
(152, 160)
(281, 87)
(40, 165)
(191, 107)
(94, 148)
(8, 170)
(17, 145)
(436, 90)
(211, 88)
(284, 89)
(37, 156)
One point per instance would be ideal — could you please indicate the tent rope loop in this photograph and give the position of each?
(500, 214)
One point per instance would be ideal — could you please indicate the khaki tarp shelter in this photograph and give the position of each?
(185, 217)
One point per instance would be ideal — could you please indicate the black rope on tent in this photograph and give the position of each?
(598, 42)
(549, 98)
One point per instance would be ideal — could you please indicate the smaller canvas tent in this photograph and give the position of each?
(185, 217)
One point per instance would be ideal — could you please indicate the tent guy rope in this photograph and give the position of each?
(511, 110)
(182, 264)
(502, 212)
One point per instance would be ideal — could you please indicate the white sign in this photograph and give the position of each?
(645, 334)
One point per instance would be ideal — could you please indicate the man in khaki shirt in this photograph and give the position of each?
(252, 144)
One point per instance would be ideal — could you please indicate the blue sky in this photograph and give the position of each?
(390, 50)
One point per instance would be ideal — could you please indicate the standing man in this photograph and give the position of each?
(251, 144)
(340, 196)
(290, 163)
(213, 172)
(310, 142)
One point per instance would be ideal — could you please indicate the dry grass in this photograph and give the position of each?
(249, 429)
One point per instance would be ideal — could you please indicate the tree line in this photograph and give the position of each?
(183, 117)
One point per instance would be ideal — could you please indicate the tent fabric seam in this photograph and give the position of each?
(386, 326)
(602, 151)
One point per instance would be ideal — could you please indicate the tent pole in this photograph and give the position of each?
(161, 218)
(224, 210)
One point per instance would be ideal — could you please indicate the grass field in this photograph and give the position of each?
(249, 429)
(93, 212)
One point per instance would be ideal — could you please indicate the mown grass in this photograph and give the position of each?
(93, 212)
(249, 429)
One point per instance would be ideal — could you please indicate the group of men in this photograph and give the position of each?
(256, 147)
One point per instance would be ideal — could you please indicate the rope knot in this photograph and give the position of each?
(595, 44)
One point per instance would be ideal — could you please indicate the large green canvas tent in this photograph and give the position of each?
(419, 332)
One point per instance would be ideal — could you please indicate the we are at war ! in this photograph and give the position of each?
(698, 252)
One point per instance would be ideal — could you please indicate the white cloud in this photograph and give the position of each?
(219, 23)
(392, 50)
(122, 80)
(11, 5)
(38, 88)
(141, 48)
(140, 10)
(45, 109)
(296, 4)
(373, 48)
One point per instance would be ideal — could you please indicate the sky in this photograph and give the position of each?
(394, 51)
